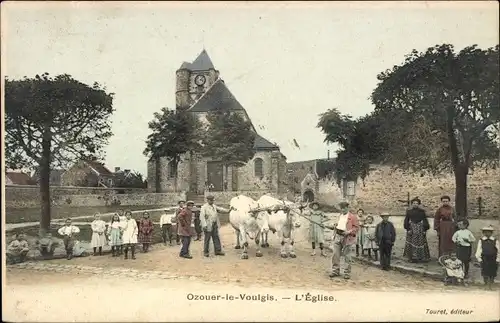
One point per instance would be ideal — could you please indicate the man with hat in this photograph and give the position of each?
(210, 223)
(185, 231)
(385, 235)
(488, 256)
(344, 240)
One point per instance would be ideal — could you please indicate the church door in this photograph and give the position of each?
(215, 175)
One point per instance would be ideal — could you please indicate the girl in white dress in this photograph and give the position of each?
(98, 237)
(130, 232)
(369, 239)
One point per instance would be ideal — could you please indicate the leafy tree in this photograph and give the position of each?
(451, 101)
(52, 122)
(359, 141)
(127, 179)
(229, 138)
(173, 134)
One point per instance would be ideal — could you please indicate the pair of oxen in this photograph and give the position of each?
(254, 219)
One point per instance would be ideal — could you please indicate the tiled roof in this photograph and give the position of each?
(99, 167)
(201, 63)
(18, 178)
(55, 176)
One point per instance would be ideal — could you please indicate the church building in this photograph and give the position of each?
(199, 89)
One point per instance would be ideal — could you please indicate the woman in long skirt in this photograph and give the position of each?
(98, 227)
(145, 231)
(359, 236)
(115, 230)
(444, 224)
(416, 226)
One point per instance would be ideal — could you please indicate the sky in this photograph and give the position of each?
(286, 63)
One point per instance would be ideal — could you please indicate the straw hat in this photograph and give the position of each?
(189, 203)
(488, 228)
(384, 214)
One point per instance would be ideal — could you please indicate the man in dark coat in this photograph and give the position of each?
(185, 231)
(386, 236)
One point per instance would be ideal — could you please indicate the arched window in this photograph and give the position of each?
(172, 170)
(258, 168)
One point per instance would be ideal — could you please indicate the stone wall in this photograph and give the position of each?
(383, 187)
(29, 196)
(329, 192)
(194, 173)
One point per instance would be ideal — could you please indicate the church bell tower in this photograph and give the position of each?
(193, 80)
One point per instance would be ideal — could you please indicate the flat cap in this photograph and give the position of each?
(210, 197)
(189, 203)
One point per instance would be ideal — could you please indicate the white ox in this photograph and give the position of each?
(247, 222)
(284, 218)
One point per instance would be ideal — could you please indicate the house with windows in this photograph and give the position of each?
(199, 90)
(88, 173)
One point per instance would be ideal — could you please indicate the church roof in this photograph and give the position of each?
(263, 144)
(201, 63)
(218, 96)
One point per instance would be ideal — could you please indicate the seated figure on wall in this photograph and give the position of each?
(46, 246)
(17, 250)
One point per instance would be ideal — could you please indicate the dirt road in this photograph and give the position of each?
(70, 297)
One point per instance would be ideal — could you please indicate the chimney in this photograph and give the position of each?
(117, 169)
(126, 171)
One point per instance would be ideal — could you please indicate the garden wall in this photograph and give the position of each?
(21, 196)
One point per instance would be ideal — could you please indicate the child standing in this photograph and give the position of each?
(369, 242)
(145, 231)
(463, 240)
(316, 230)
(98, 227)
(488, 256)
(130, 233)
(115, 230)
(166, 222)
(385, 234)
(68, 231)
(359, 237)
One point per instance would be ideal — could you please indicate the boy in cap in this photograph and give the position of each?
(344, 240)
(184, 222)
(210, 223)
(488, 256)
(385, 234)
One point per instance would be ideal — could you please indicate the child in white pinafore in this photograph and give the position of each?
(369, 238)
(98, 237)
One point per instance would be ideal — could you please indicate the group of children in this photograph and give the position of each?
(487, 255)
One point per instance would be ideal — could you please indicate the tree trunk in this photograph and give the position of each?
(461, 172)
(157, 175)
(45, 183)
